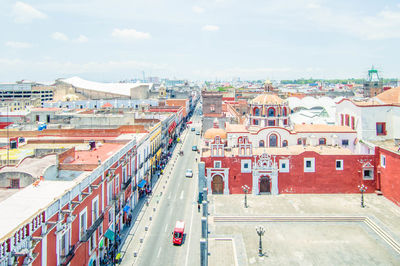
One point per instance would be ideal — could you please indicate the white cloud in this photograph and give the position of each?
(130, 34)
(198, 9)
(210, 28)
(59, 36)
(24, 13)
(82, 39)
(18, 44)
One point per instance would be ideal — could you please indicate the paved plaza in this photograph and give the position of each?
(304, 230)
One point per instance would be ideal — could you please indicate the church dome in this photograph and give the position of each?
(213, 132)
(268, 99)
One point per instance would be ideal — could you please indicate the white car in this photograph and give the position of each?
(189, 173)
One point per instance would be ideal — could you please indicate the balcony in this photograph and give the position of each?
(93, 228)
(126, 183)
(69, 256)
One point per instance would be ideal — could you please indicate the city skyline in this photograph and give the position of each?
(199, 40)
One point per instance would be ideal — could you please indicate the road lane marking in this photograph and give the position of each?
(159, 252)
(181, 197)
(165, 230)
(169, 196)
(190, 228)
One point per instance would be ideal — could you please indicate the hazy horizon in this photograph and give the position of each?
(102, 40)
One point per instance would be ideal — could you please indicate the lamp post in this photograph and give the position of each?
(260, 232)
(362, 189)
(245, 190)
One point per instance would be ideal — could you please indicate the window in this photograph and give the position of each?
(284, 143)
(246, 166)
(309, 165)
(339, 164)
(92, 242)
(284, 166)
(261, 143)
(368, 174)
(109, 192)
(63, 244)
(111, 216)
(82, 223)
(271, 122)
(322, 141)
(345, 142)
(380, 128)
(352, 122)
(256, 112)
(285, 122)
(284, 112)
(271, 112)
(347, 120)
(383, 161)
(95, 209)
(14, 183)
(255, 122)
(273, 141)
(299, 141)
(217, 164)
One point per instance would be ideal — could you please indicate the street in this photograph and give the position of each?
(179, 202)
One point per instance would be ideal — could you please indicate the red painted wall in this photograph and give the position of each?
(390, 175)
(325, 179)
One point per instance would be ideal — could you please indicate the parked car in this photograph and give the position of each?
(189, 173)
(193, 129)
(198, 133)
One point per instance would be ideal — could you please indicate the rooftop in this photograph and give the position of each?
(289, 150)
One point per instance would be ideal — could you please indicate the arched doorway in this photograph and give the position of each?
(217, 185)
(265, 184)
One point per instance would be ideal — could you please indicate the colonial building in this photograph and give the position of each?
(271, 155)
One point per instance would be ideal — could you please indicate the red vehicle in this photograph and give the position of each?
(177, 235)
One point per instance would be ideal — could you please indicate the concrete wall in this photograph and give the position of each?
(24, 179)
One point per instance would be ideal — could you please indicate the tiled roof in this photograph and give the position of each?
(391, 96)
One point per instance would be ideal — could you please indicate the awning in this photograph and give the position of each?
(171, 127)
(109, 234)
(170, 141)
(142, 183)
(127, 208)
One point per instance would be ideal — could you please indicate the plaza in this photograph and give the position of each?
(307, 229)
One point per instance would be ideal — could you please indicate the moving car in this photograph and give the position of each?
(193, 129)
(177, 235)
(189, 173)
(194, 148)
(197, 132)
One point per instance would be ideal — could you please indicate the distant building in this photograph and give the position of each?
(26, 90)
(374, 85)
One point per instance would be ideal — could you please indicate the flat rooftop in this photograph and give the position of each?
(289, 150)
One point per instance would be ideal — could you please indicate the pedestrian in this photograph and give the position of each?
(129, 219)
(198, 207)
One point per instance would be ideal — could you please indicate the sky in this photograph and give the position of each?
(104, 40)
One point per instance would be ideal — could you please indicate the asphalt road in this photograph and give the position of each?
(179, 203)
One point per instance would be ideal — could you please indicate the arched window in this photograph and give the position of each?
(284, 143)
(273, 141)
(271, 112)
(261, 143)
(299, 141)
(240, 140)
(322, 141)
(256, 111)
(284, 112)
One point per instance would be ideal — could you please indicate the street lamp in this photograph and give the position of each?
(362, 189)
(245, 190)
(260, 232)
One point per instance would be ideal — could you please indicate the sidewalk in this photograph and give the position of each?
(135, 238)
